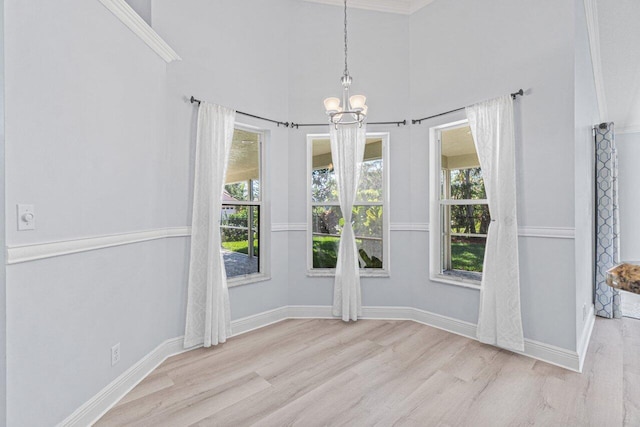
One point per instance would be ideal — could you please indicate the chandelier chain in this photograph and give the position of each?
(346, 70)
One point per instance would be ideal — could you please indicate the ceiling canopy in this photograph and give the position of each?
(404, 7)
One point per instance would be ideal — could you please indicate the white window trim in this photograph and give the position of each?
(435, 231)
(364, 272)
(265, 214)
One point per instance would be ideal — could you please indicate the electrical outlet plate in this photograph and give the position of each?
(115, 354)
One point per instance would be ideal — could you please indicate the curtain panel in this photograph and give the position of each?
(208, 313)
(347, 150)
(500, 318)
(607, 299)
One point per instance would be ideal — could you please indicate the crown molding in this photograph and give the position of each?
(403, 7)
(140, 28)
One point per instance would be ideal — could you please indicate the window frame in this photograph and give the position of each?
(364, 272)
(436, 202)
(264, 231)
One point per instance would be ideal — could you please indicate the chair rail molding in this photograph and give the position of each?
(18, 254)
(628, 129)
(135, 23)
(409, 226)
(37, 251)
(547, 232)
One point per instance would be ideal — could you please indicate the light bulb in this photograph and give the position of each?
(332, 104)
(364, 110)
(357, 102)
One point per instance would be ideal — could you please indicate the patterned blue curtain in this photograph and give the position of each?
(607, 299)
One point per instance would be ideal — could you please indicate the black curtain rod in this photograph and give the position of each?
(297, 125)
(419, 121)
(285, 124)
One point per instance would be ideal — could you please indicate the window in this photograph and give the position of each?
(242, 217)
(459, 210)
(370, 214)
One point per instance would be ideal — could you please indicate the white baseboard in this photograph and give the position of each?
(554, 355)
(585, 337)
(98, 405)
(257, 321)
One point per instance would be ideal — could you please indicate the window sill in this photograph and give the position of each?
(457, 281)
(248, 279)
(363, 273)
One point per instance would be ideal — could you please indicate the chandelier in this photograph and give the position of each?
(354, 109)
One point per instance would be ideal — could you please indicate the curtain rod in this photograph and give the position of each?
(297, 125)
(419, 121)
(285, 124)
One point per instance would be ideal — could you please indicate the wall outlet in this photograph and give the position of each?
(584, 311)
(115, 354)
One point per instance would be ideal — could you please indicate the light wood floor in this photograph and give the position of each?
(384, 373)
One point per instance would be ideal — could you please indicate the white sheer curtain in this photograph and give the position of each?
(500, 319)
(208, 315)
(347, 150)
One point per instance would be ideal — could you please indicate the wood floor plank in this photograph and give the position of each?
(146, 387)
(314, 372)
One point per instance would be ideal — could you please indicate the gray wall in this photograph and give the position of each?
(86, 145)
(464, 51)
(459, 52)
(586, 116)
(3, 287)
(240, 63)
(378, 63)
(101, 140)
(628, 146)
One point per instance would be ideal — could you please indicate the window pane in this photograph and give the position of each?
(470, 219)
(323, 181)
(467, 184)
(323, 185)
(370, 187)
(242, 182)
(327, 223)
(368, 226)
(467, 253)
(240, 257)
(463, 238)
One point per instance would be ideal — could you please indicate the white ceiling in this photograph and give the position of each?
(619, 28)
(404, 7)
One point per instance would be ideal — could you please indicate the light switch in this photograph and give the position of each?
(26, 218)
